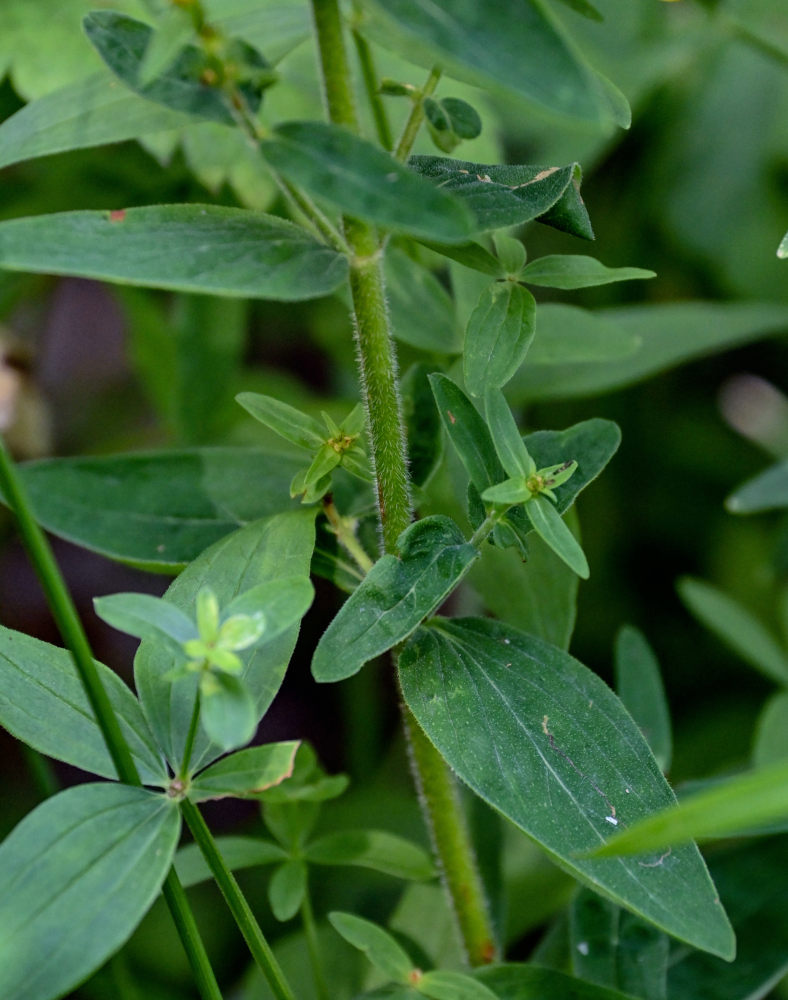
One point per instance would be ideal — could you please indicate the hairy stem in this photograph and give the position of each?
(377, 362)
(236, 901)
(70, 627)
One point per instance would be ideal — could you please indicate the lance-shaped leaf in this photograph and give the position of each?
(375, 849)
(568, 334)
(43, 703)
(446, 984)
(278, 546)
(394, 597)
(467, 432)
(766, 491)
(576, 271)
(545, 741)
(245, 773)
(184, 248)
(614, 948)
(513, 981)
(487, 41)
(736, 626)
(159, 510)
(237, 853)
(500, 331)
(287, 889)
(771, 731)
(502, 196)
(122, 43)
(639, 686)
(551, 529)
(726, 808)
(285, 420)
(363, 180)
(146, 617)
(472, 255)
(378, 945)
(506, 437)
(76, 877)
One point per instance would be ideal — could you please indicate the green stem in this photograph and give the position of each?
(446, 821)
(41, 771)
(377, 361)
(371, 86)
(416, 116)
(312, 943)
(67, 620)
(236, 901)
(485, 528)
(344, 529)
(183, 774)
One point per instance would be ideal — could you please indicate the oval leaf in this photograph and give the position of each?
(245, 773)
(44, 704)
(146, 617)
(261, 552)
(393, 598)
(76, 877)
(364, 181)
(378, 945)
(287, 888)
(543, 740)
(499, 333)
(576, 271)
(376, 849)
(184, 248)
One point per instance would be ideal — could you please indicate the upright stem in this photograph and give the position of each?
(67, 619)
(190, 737)
(416, 116)
(377, 363)
(312, 943)
(371, 85)
(258, 946)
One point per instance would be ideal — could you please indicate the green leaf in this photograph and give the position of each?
(423, 423)
(309, 782)
(670, 334)
(736, 627)
(175, 29)
(503, 196)
(378, 945)
(245, 773)
(467, 432)
(393, 598)
(486, 43)
(157, 510)
(43, 703)
(282, 603)
(538, 596)
(551, 529)
(639, 686)
(731, 806)
(752, 884)
(531, 982)
(237, 852)
(545, 742)
(422, 311)
(263, 551)
(146, 617)
(287, 889)
(227, 710)
(472, 255)
(122, 43)
(375, 849)
(363, 180)
(76, 877)
(445, 984)
(511, 253)
(613, 948)
(771, 732)
(585, 8)
(766, 491)
(91, 112)
(575, 271)
(184, 248)
(500, 331)
(568, 334)
(285, 420)
(506, 437)
(782, 249)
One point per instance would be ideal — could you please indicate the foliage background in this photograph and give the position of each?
(697, 190)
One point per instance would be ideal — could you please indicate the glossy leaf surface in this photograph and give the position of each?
(639, 686)
(487, 43)
(363, 180)
(375, 849)
(499, 333)
(245, 773)
(393, 598)
(577, 271)
(183, 248)
(502, 196)
(543, 740)
(158, 510)
(264, 550)
(736, 626)
(43, 703)
(76, 877)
